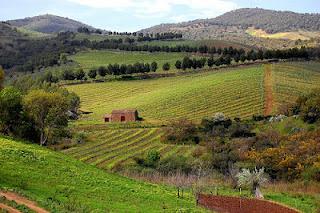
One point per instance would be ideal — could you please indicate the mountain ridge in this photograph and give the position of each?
(48, 23)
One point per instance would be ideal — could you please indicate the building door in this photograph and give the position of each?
(107, 120)
(123, 118)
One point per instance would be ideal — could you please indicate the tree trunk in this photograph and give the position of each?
(258, 194)
(43, 139)
(178, 192)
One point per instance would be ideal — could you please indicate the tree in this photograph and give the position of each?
(10, 109)
(211, 62)
(92, 73)
(79, 74)
(178, 65)
(1, 77)
(254, 180)
(63, 58)
(154, 66)
(68, 74)
(166, 66)
(48, 110)
(102, 71)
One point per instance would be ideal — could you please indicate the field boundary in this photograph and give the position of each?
(268, 90)
(242, 205)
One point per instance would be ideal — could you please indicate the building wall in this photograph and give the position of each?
(116, 117)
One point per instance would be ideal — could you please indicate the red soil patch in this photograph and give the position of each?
(23, 201)
(268, 96)
(227, 204)
(8, 208)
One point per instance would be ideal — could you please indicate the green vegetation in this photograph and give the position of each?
(109, 148)
(191, 96)
(63, 184)
(290, 80)
(95, 59)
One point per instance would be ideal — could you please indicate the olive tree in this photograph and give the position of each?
(253, 180)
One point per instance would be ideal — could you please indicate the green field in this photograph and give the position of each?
(237, 93)
(92, 59)
(108, 148)
(291, 80)
(62, 184)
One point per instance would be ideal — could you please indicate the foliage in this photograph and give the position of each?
(254, 180)
(181, 132)
(92, 73)
(1, 77)
(48, 110)
(166, 66)
(308, 106)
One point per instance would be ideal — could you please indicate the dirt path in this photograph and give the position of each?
(9, 208)
(23, 201)
(268, 95)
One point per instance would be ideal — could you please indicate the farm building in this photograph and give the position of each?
(125, 115)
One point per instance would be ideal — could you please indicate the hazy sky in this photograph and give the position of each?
(132, 15)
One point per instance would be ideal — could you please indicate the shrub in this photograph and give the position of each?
(102, 71)
(79, 74)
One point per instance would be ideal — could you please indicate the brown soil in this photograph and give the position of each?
(23, 201)
(268, 95)
(241, 205)
(8, 208)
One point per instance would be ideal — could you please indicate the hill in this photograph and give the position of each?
(233, 26)
(62, 184)
(48, 24)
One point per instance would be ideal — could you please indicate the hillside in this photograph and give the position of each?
(48, 24)
(61, 184)
(232, 26)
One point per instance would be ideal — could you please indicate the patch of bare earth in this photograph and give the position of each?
(8, 208)
(268, 95)
(23, 201)
(227, 204)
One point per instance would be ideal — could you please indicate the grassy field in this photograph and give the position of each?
(92, 59)
(62, 184)
(293, 79)
(108, 148)
(237, 93)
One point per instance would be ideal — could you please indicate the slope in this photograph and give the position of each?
(48, 24)
(235, 92)
(62, 184)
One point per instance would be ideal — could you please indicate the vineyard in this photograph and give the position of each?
(237, 93)
(94, 59)
(293, 79)
(112, 147)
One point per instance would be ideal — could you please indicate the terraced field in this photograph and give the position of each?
(237, 93)
(108, 148)
(92, 59)
(293, 79)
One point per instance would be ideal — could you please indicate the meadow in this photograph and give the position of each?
(236, 92)
(94, 59)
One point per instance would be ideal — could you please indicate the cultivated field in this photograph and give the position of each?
(91, 59)
(237, 93)
(108, 148)
(293, 79)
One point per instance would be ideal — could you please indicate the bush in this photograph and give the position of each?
(181, 132)
(68, 74)
(308, 106)
(174, 164)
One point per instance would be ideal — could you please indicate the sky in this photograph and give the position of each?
(133, 15)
